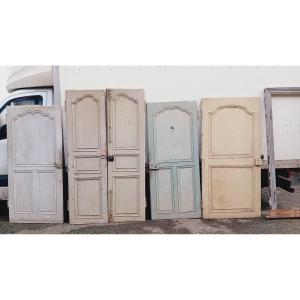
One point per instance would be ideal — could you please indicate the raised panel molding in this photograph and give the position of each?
(88, 188)
(87, 164)
(18, 133)
(134, 144)
(126, 206)
(159, 125)
(212, 135)
(126, 163)
(80, 139)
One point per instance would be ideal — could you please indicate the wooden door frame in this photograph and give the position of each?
(268, 93)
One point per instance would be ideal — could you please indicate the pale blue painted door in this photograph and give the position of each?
(174, 160)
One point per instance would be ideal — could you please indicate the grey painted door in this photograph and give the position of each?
(174, 160)
(86, 124)
(35, 164)
(126, 154)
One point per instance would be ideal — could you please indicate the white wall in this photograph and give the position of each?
(182, 83)
(179, 83)
(3, 82)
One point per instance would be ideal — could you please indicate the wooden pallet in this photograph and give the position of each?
(284, 213)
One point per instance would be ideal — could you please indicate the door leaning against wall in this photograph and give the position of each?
(106, 164)
(231, 161)
(35, 164)
(174, 160)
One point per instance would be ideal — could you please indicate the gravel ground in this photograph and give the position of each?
(179, 226)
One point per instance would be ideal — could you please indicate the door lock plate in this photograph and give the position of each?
(153, 167)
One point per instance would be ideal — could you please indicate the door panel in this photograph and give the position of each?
(35, 160)
(231, 157)
(126, 146)
(23, 192)
(164, 193)
(186, 192)
(174, 160)
(86, 124)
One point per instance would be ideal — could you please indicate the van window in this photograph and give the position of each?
(27, 100)
(3, 132)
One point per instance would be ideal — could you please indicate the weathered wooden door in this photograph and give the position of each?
(231, 161)
(35, 164)
(86, 124)
(174, 160)
(126, 154)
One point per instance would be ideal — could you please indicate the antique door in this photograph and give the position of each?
(174, 160)
(34, 136)
(231, 161)
(126, 154)
(86, 124)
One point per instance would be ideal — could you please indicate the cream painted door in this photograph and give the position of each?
(174, 160)
(34, 136)
(86, 125)
(126, 154)
(231, 161)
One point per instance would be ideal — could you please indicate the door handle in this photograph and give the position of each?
(110, 158)
(58, 165)
(153, 167)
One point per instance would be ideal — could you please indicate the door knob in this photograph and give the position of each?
(110, 158)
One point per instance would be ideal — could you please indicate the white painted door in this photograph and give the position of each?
(174, 160)
(86, 125)
(126, 154)
(34, 135)
(231, 163)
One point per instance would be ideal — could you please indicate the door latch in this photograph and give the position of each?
(58, 165)
(153, 167)
(258, 162)
(110, 158)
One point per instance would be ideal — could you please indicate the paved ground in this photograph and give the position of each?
(180, 226)
(184, 226)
